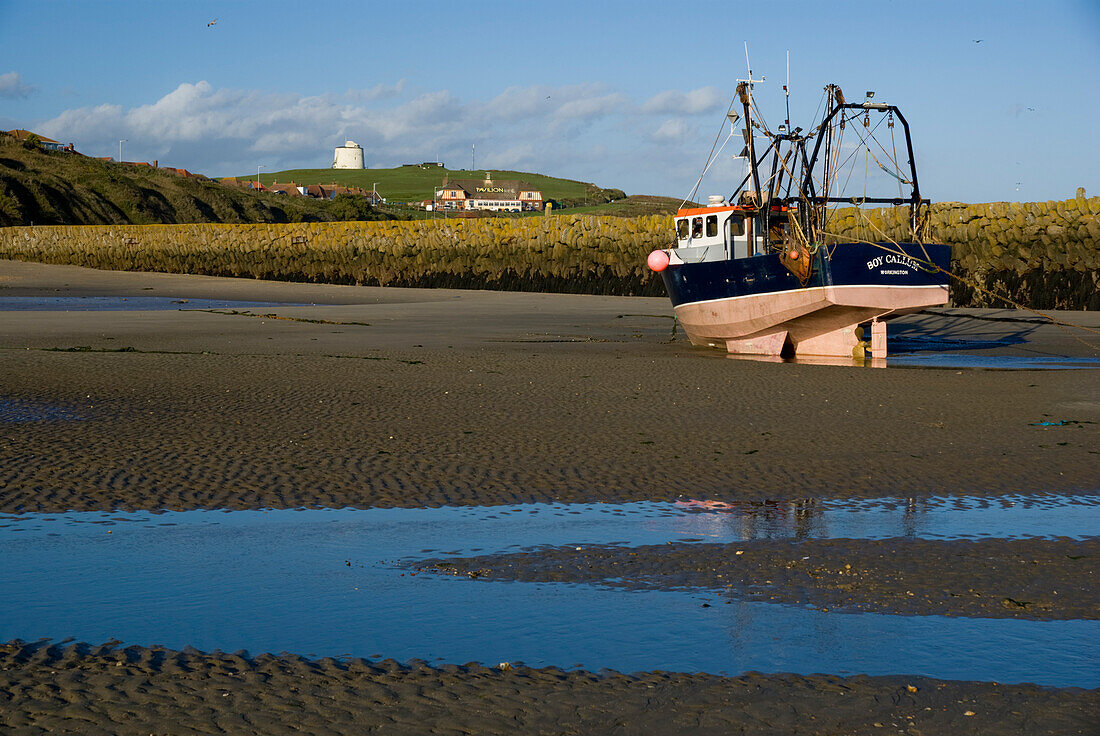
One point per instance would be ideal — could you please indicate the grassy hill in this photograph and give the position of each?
(42, 187)
(39, 187)
(413, 184)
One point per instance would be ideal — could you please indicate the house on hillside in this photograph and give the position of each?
(47, 143)
(291, 189)
(179, 172)
(321, 191)
(487, 195)
(450, 197)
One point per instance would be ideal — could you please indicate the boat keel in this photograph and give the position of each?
(878, 339)
(841, 343)
(771, 343)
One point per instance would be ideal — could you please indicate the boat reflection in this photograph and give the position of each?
(787, 519)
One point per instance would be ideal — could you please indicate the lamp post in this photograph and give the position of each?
(374, 193)
(258, 167)
(124, 140)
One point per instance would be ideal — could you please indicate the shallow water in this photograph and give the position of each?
(959, 361)
(472, 529)
(909, 350)
(122, 303)
(990, 362)
(21, 410)
(330, 583)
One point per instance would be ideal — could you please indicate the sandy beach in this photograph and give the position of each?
(992, 578)
(341, 396)
(414, 397)
(140, 691)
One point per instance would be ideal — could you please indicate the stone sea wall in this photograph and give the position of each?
(579, 254)
(1044, 255)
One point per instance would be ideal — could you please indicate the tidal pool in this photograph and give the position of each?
(991, 362)
(22, 410)
(333, 583)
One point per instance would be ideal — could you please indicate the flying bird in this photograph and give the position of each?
(211, 22)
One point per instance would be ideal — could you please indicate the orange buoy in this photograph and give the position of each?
(657, 261)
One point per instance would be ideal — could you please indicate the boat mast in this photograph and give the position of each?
(743, 93)
(825, 138)
(836, 98)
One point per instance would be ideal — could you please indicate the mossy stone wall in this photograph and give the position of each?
(1041, 254)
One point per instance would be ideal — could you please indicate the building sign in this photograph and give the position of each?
(489, 195)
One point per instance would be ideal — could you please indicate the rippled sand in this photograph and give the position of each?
(413, 397)
(404, 397)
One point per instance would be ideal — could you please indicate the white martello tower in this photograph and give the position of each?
(348, 156)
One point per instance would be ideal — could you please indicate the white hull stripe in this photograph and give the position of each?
(808, 290)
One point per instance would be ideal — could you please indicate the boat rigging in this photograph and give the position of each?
(762, 272)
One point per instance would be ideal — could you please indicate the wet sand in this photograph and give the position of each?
(141, 691)
(1040, 579)
(447, 397)
(389, 397)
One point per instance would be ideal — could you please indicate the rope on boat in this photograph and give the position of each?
(894, 148)
(932, 267)
(711, 157)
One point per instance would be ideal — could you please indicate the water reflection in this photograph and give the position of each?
(324, 583)
(474, 529)
(936, 360)
(1044, 515)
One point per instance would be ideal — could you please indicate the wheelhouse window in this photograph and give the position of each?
(712, 225)
(737, 225)
(697, 227)
(682, 229)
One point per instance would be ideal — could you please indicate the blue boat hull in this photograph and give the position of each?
(756, 305)
(849, 264)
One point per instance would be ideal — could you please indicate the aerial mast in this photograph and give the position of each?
(787, 91)
(743, 93)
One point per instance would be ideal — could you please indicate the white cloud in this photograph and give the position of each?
(519, 157)
(379, 91)
(672, 130)
(12, 86)
(85, 122)
(589, 132)
(675, 102)
(587, 108)
(519, 103)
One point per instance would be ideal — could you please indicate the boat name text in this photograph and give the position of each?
(905, 261)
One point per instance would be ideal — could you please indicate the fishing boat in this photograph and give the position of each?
(764, 272)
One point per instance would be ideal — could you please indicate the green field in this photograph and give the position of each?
(413, 184)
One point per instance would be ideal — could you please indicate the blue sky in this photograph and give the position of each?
(624, 94)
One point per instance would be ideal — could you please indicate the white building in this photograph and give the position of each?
(348, 156)
(494, 196)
